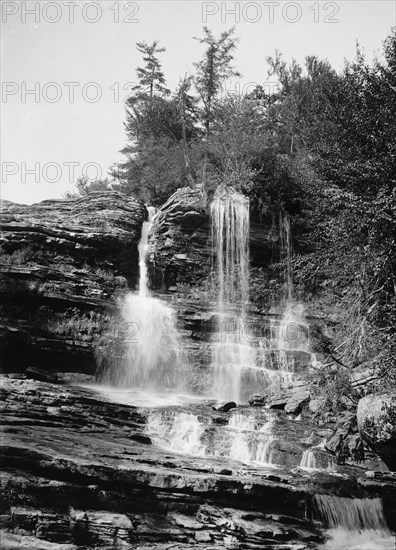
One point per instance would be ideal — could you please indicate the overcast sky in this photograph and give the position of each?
(78, 59)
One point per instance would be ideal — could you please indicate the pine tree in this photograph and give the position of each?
(215, 67)
(151, 78)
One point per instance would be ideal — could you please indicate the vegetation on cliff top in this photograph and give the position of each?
(321, 148)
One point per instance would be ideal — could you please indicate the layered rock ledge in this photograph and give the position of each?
(180, 240)
(79, 472)
(62, 262)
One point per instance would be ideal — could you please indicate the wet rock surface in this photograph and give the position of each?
(80, 471)
(83, 471)
(62, 263)
(101, 229)
(376, 419)
(290, 399)
(180, 241)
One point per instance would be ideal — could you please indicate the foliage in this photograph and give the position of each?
(215, 67)
(333, 385)
(321, 149)
(264, 290)
(343, 162)
(76, 324)
(19, 257)
(84, 186)
(160, 128)
(151, 78)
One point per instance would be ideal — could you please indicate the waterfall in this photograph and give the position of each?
(142, 249)
(292, 331)
(230, 238)
(308, 460)
(242, 439)
(230, 232)
(354, 523)
(180, 432)
(286, 254)
(250, 443)
(146, 351)
(240, 367)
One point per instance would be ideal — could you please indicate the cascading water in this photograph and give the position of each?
(250, 442)
(308, 460)
(230, 237)
(244, 439)
(354, 524)
(147, 354)
(292, 331)
(242, 365)
(178, 432)
(286, 254)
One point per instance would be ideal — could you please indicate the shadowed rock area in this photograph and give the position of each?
(80, 472)
(85, 468)
(180, 240)
(62, 261)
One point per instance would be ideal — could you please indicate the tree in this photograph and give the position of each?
(147, 106)
(152, 126)
(84, 186)
(215, 67)
(345, 166)
(186, 107)
(151, 78)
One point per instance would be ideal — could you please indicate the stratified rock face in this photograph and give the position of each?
(76, 472)
(79, 471)
(180, 250)
(100, 229)
(180, 240)
(376, 416)
(62, 261)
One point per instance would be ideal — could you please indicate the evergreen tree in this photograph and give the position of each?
(151, 77)
(214, 69)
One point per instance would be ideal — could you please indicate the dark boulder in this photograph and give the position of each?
(42, 375)
(226, 407)
(376, 419)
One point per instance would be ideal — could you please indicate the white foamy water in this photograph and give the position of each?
(369, 539)
(147, 351)
(153, 351)
(250, 443)
(230, 236)
(146, 399)
(243, 439)
(354, 524)
(180, 432)
(308, 460)
(291, 334)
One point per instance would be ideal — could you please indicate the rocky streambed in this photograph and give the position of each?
(93, 467)
(80, 470)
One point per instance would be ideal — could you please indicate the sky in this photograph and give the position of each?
(67, 67)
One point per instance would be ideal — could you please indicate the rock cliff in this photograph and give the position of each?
(376, 418)
(180, 240)
(78, 471)
(82, 471)
(62, 261)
